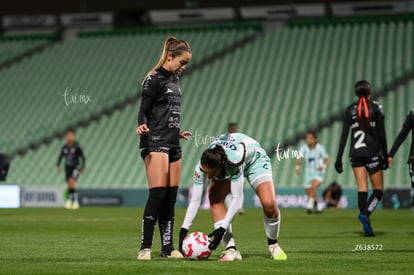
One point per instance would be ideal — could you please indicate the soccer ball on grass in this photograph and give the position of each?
(195, 246)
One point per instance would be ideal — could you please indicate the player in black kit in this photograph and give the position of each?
(159, 131)
(74, 165)
(368, 151)
(407, 127)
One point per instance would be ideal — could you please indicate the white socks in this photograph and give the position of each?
(272, 226)
(311, 201)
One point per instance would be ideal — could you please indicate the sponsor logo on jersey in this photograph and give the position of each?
(197, 175)
(169, 91)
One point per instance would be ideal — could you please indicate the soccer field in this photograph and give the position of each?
(105, 241)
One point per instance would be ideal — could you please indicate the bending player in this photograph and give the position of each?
(74, 165)
(228, 159)
(407, 127)
(316, 161)
(368, 151)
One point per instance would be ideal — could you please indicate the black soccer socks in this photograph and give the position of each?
(155, 200)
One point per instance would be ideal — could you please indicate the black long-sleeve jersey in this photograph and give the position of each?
(160, 110)
(364, 144)
(407, 127)
(73, 155)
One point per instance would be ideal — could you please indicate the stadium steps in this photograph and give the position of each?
(111, 82)
(396, 104)
(15, 48)
(267, 99)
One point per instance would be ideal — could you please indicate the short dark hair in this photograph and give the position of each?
(70, 130)
(232, 124)
(312, 133)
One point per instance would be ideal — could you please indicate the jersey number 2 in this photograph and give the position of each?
(360, 136)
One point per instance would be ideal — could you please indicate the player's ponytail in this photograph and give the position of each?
(173, 45)
(216, 157)
(363, 91)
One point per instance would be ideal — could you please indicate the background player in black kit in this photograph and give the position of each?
(74, 165)
(159, 129)
(368, 151)
(407, 127)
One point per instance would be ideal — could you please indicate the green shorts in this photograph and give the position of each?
(260, 170)
(311, 176)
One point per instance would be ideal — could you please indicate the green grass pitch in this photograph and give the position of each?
(105, 241)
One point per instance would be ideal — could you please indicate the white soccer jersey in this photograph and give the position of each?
(314, 158)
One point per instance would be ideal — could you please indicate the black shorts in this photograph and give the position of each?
(72, 172)
(174, 154)
(372, 164)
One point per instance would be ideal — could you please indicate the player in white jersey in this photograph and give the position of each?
(223, 166)
(316, 161)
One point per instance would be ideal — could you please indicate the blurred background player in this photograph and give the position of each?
(368, 150)
(331, 196)
(4, 166)
(406, 128)
(159, 131)
(316, 161)
(74, 165)
(224, 165)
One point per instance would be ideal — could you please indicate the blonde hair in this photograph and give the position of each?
(173, 45)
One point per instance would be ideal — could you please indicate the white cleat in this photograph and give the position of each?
(75, 205)
(68, 204)
(144, 254)
(174, 254)
(277, 253)
(230, 255)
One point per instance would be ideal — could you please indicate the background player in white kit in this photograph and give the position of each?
(224, 165)
(316, 161)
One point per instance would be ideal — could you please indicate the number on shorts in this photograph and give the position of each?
(360, 136)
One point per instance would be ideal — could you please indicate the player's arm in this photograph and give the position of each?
(194, 205)
(236, 187)
(383, 140)
(326, 159)
(401, 137)
(150, 91)
(297, 165)
(342, 143)
(59, 160)
(82, 160)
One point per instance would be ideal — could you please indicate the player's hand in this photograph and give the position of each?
(321, 168)
(390, 161)
(384, 163)
(83, 171)
(186, 135)
(58, 169)
(183, 234)
(297, 169)
(218, 235)
(338, 166)
(142, 129)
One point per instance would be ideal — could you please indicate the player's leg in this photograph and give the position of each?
(411, 172)
(308, 190)
(73, 194)
(310, 203)
(266, 193)
(218, 190)
(377, 182)
(315, 185)
(157, 166)
(167, 211)
(360, 174)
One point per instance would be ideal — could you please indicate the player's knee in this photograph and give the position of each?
(270, 209)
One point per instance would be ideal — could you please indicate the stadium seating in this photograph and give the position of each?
(279, 85)
(106, 68)
(14, 46)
